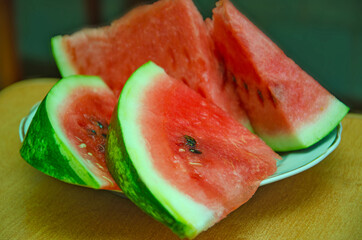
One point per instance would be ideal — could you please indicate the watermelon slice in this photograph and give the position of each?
(67, 136)
(179, 157)
(170, 33)
(288, 109)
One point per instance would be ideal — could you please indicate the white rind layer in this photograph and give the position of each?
(179, 205)
(311, 132)
(61, 58)
(57, 99)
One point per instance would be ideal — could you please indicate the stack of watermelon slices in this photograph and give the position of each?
(172, 34)
(175, 144)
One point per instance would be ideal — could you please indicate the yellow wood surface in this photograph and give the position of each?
(323, 202)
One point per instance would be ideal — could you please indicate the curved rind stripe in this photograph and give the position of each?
(127, 177)
(61, 58)
(312, 132)
(46, 146)
(42, 145)
(59, 95)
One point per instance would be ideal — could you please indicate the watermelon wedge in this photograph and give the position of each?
(170, 33)
(179, 157)
(67, 136)
(287, 108)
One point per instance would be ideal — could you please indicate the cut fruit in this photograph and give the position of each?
(170, 33)
(179, 157)
(287, 108)
(67, 136)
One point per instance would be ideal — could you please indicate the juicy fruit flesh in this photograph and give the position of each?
(270, 84)
(85, 122)
(156, 121)
(149, 33)
(184, 58)
(196, 136)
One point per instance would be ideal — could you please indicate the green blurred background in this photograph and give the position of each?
(323, 36)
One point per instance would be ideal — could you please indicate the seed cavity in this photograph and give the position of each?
(195, 151)
(101, 147)
(92, 132)
(260, 95)
(82, 145)
(246, 86)
(195, 163)
(272, 98)
(100, 125)
(100, 166)
(109, 180)
(181, 150)
(233, 78)
(190, 141)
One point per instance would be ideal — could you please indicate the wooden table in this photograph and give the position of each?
(323, 202)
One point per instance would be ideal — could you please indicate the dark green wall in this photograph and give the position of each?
(323, 37)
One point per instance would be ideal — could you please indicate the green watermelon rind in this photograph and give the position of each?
(61, 57)
(135, 189)
(309, 133)
(46, 147)
(130, 164)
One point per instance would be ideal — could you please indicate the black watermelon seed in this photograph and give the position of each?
(260, 95)
(101, 148)
(190, 141)
(195, 151)
(92, 132)
(272, 98)
(100, 125)
(246, 86)
(233, 78)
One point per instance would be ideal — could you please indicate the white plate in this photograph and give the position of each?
(298, 161)
(292, 163)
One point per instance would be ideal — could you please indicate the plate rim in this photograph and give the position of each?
(309, 164)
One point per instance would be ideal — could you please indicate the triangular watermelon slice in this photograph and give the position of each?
(67, 136)
(288, 109)
(169, 32)
(179, 157)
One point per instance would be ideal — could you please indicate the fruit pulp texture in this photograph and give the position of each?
(85, 120)
(269, 83)
(198, 147)
(170, 33)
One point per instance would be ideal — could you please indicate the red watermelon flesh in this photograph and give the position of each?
(85, 122)
(229, 84)
(201, 150)
(170, 33)
(179, 157)
(67, 135)
(278, 96)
